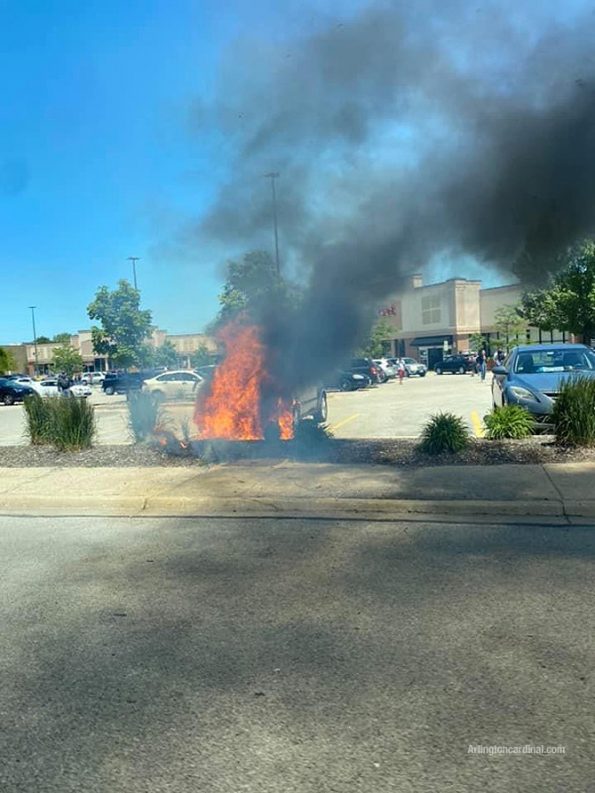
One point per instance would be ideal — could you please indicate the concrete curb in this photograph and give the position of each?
(204, 506)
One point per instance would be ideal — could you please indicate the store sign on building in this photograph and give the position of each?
(392, 312)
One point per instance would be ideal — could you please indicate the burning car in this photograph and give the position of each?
(247, 400)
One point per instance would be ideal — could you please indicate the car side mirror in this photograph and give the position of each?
(500, 370)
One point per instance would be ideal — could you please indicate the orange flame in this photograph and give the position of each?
(233, 407)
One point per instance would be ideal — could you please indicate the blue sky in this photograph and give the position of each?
(98, 159)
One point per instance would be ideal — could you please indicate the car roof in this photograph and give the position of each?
(547, 347)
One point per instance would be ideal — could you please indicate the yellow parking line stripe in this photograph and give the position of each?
(336, 426)
(477, 424)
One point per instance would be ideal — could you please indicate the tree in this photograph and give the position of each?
(202, 356)
(62, 338)
(166, 355)
(251, 287)
(568, 303)
(379, 342)
(43, 340)
(7, 361)
(124, 326)
(66, 359)
(511, 325)
(477, 342)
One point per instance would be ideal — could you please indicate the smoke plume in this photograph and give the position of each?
(403, 132)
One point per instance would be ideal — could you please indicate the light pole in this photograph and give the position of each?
(134, 260)
(34, 337)
(272, 176)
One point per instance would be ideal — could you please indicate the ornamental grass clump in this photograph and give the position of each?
(574, 412)
(38, 420)
(310, 433)
(509, 421)
(444, 432)
(144, 415)
(72, 423)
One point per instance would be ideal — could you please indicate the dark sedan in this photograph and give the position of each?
(532, 375)
(455, 364)
(12, 391)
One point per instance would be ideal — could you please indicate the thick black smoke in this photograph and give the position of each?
(401, 133)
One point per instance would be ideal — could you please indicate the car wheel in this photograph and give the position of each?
(8, 399)
(438, 370)
(461, 370)
(422, 374)
(109, 390)
(321, 415)
(347, 385)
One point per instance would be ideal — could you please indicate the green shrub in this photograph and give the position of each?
(144, 415)
(444, 432)
(38, 420)
(72, 423)
(574, 412)
(509, 421)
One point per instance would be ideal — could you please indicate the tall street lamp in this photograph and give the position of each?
(272, 176)
(134, 260)
(34, 337)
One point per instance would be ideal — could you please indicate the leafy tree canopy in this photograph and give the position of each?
(124, 325)
(166, 355)
(66, 359)
(477, 342)
(7, 361)
(379, 342)
(251, 287)
(202, 356)
(568, 303)
(62, 338)
(511, 324)
(43, 340)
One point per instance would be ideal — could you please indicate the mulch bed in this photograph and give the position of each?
(398, 452)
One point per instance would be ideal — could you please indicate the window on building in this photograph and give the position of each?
(430, 309)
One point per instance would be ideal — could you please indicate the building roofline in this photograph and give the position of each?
(504, 286)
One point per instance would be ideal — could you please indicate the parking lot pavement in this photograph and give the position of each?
(386, 411)
(392, 410)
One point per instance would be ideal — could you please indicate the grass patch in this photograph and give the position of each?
(444, 432)
(144, 415)
(574, 412)
(509, 421)
(38, 420)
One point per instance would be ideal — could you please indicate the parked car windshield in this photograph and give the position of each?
(555, 360)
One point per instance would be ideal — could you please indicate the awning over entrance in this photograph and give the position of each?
(431, 341)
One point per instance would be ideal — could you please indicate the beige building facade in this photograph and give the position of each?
(429, 321)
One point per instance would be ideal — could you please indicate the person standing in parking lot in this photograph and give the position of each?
(63, 383)
(401, 370)
(481, 362)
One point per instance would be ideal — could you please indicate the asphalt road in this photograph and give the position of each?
(293, 656)
(385, 411)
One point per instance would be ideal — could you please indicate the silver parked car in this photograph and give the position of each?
(531, 376)
(412, 367)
